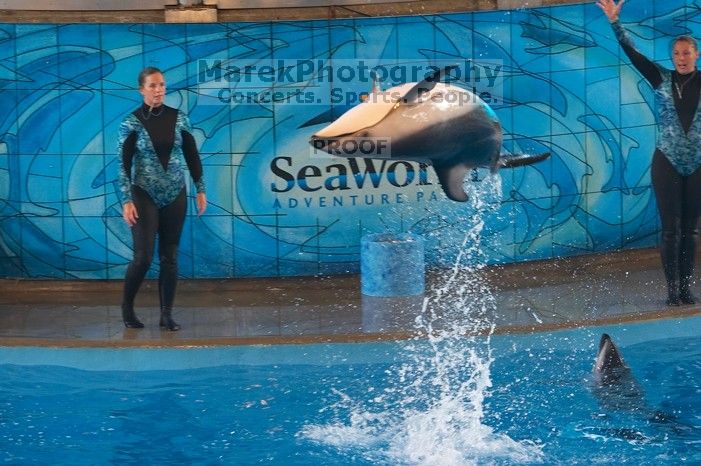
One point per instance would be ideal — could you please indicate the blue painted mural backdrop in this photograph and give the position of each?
(564, 89)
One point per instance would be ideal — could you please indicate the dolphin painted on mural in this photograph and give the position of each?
(429, 121)
(555, 35)
(676, 22)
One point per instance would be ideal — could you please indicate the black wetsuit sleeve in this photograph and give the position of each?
(128, 150)
(644, 65)
(192, 158)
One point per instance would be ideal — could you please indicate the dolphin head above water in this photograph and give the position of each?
(616, 389)
(608, 358)
(441, 124)
(615, 385)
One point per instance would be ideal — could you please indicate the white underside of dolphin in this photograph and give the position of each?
(430, 121)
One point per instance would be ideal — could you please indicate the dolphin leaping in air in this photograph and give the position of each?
(429, 121)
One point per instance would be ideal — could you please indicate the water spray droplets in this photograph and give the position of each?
(432, 412)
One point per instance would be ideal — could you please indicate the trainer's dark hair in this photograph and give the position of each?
(688, 39)
(146, 72)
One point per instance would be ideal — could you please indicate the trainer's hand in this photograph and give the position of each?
(610, 8)
(129, 213)
(201, 203)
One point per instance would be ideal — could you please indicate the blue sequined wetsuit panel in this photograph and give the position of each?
(679, 123)
(161, 175)
(682, 148)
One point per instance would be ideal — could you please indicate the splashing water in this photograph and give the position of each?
(431, 411)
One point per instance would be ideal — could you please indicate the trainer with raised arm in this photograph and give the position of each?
(676, 178)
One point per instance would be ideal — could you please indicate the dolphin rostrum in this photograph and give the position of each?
(433, 122)
(609, 365)
(614, 380)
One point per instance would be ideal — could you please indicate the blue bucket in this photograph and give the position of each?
(392, 264)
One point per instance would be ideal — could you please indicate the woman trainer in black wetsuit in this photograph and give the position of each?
(676, 177)
(155, 147)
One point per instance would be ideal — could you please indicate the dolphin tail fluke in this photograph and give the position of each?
(511, 161)
(452, 179)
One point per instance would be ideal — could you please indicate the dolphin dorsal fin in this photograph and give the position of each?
(375, 88)
(373, 91)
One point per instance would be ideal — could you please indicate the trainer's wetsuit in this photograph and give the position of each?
(155, 147)
(676, 177)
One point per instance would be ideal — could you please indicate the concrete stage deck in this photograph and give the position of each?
(532, 296)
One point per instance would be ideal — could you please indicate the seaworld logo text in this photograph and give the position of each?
(341, 177)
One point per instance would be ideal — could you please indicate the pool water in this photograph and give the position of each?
(522, 399)
(439, 399)
(550, 396)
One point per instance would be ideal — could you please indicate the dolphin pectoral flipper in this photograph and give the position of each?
(425, 85)
(512, 161)
(452, 178)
